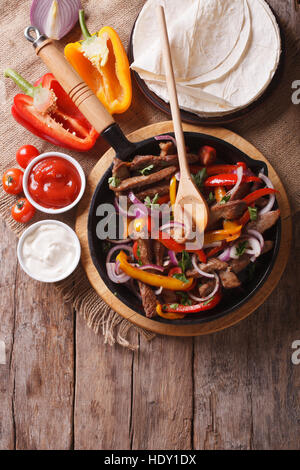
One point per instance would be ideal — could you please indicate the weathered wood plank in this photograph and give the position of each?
(7, 314)
(103, 392)
(162, 411)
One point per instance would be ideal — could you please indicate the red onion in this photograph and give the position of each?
(166, 137)
(255, 247)
(119, 242)
(152, 266)
(203, 299)
(225, 255)
(270, 204)
(158, 291)
(239, 173)
(257, 235)
(173, 258)
(203, 273)
(170, 225)
(177, 176)
(55, 18)
(140, 209)
(113, 276)
(116, 248)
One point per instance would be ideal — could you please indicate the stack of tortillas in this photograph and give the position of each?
(225, 52)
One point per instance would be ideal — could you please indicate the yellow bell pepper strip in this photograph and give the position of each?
(219, 235)
(232, 226)
(101, 61)
(156, 280)
(173, 186)
(168, 316)
(219, 193)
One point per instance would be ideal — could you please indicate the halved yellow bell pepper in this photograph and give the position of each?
(156, 280)
(101, 61)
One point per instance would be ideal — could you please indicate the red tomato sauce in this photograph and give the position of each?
(54, 182)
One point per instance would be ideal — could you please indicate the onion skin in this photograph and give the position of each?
(67, 15)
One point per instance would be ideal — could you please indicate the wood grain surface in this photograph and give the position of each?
(62, 388)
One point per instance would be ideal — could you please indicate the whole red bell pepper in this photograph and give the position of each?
(48, 112)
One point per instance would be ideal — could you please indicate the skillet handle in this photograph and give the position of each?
(77, 89)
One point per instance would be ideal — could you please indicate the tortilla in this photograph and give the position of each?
(202, 34)
(242, 76)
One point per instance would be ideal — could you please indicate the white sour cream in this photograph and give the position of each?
(49, 252)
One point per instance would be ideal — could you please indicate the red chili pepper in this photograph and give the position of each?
(250, 198)
(228, 180)
(185, 309)
(60, 122)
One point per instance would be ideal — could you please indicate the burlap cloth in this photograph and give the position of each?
(274, 128)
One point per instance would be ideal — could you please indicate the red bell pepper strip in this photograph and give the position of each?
(48, 112)
(215, 250)
(250, 198)
(228, 180)
(215, 169)
(171, 244)
(201, 307)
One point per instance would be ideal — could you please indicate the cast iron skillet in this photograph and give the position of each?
(227, 153)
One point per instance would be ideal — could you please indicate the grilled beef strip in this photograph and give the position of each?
(231, 210)
(161, 189)
(148, 299)
(229, 279)
(159, 251)
(158, 161)
(169, 296)
(120, 169)
(206, 288)
(148, 296)
(264, 222)
(213, 264)
(237, 265)
(142, 181)
(241, 192)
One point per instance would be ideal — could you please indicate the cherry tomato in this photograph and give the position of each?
(25, 154)
(12, 181)
(22, 211)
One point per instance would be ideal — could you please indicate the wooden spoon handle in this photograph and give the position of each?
(77, 89)
(170, 79)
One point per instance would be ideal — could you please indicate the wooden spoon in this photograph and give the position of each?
(188, 199)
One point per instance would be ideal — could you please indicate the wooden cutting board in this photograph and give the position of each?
(192, 329)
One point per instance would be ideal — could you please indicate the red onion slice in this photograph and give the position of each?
(239, 173)
(55, 18)
(152, 266)
(271, 201)
(173, 258)
(203, 273)
(203, 299)
(255, 247)
(158, 291)
(113, 276)
(166, 137)
(225, 255)
(257, 235)
(116, 248)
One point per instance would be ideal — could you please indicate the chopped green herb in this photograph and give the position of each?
(199, 178)
(145, 171)
(208, 301)
(138, 252)
(253, 213)
(152, 204)
(114, 181)
(174, 306)
(185, 262)
(225, 199)
(211, 197)
(181, 277)
(185, 300)
(240, 249)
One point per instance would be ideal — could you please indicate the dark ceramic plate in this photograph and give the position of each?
(232, 299)
(192, 118)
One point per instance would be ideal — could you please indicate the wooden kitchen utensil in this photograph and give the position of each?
(190, 204)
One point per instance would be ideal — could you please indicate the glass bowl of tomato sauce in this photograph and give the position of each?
(54, 182)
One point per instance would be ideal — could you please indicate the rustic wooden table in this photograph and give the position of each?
(62, 388)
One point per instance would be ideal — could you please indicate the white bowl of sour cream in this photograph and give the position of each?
(49, 251)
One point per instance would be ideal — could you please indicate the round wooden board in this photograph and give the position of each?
(192, 329)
